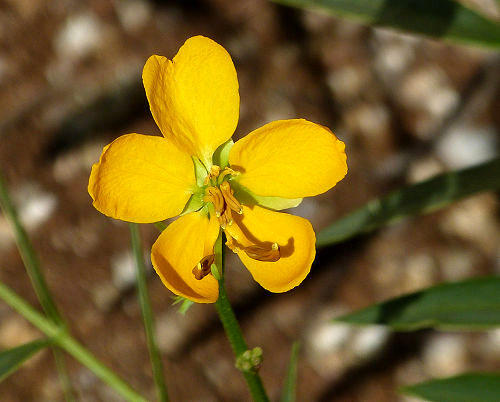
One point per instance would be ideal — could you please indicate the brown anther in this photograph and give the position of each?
(231, 201)
(269, 253)
(203, 268)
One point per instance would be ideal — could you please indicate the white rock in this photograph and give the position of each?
(34, 207)
(80, 36)
(445, 355)
(347, 82)
(369, 340)
(123, 269)
(395, 52)
(464, 145)
(133, 14)
(423, 169)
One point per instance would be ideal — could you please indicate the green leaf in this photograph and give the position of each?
(11, 359)
(289, 387)
(466, 305)
(476, 387)
(420, 198)
(444, 19)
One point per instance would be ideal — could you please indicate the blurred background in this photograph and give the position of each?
(406, 107)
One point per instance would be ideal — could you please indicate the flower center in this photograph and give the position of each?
(220, 194)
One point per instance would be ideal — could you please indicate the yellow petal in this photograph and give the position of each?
(290, 159)
(142, 179)
(194, 99)
(179, 249)
(295, 237)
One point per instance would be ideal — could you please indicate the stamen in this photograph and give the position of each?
(203, 268)
(226, 219)
(214, 195)
(263, 253)
(213, 174)
(227, 171)
(231, 201)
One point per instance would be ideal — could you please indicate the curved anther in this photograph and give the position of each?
(203, 268)
(269, 253)
(231, 201)
(214, 195)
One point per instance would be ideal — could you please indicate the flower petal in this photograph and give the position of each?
(294, 235)
(142, 179)
(290, 159)
(178, 250)
(194, 98)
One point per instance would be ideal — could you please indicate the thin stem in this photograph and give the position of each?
(147, 314)
(34, 271)
(63, 339)
(29, 257)
(232, 328)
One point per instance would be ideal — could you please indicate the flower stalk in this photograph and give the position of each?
(233, 330)
(147, 314)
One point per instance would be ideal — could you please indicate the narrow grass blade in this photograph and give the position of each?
(289, 388)
(147, 314)
(28, 255)
(420, 198)
(35, 274)
(60, 337)
(11, 359)
(467, 305)
(442, 19)
(477, 387)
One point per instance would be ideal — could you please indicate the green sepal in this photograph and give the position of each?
(215, 271)
(200, 172)
(185, 304)
(194, 203)
(221, 154)
(246, 197)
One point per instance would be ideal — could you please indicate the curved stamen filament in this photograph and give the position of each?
(214, 195)
(229, 198)
(227, 171)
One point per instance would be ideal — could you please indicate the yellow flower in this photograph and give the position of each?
(195, 171)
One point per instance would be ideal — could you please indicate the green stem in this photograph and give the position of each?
(63, 339)
(232, 328)
(29, 257)
(34, 271)
(147, 314)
